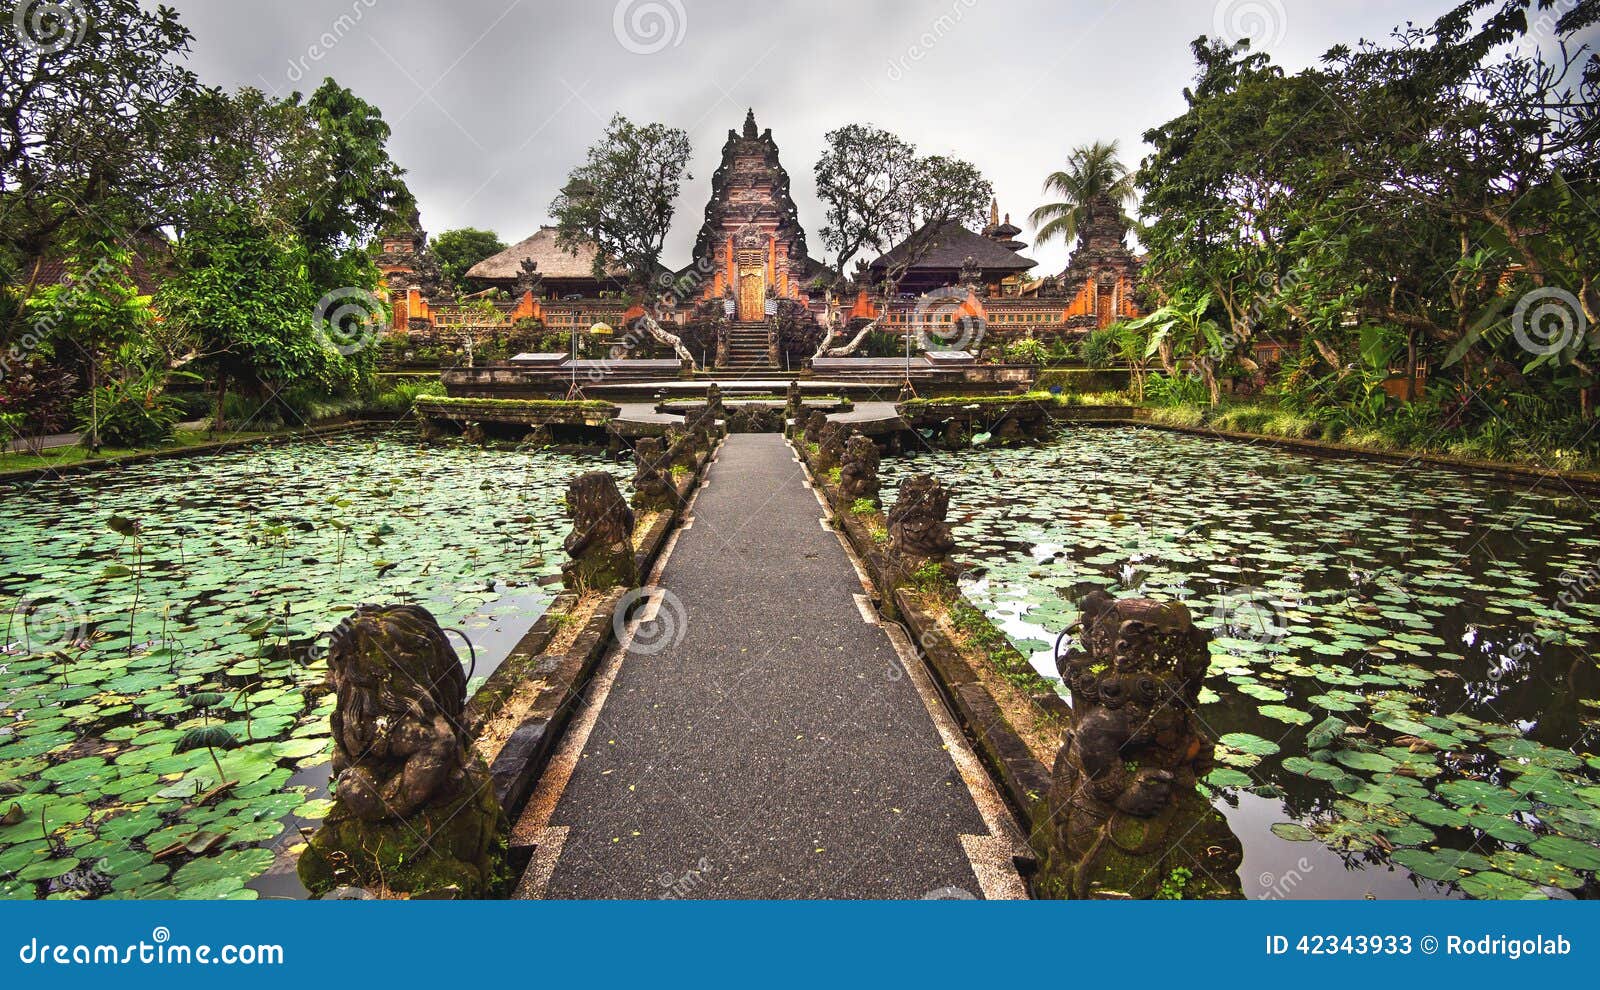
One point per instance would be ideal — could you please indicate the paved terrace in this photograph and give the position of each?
(760, 734)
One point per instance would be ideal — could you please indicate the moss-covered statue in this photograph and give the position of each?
(794, 404)
(1123, 817)
(680, 448)
(858, 469)
(652, 476)
(413, 812)
(918, 532)
(830, 445)
(813, 426)
(601, 541)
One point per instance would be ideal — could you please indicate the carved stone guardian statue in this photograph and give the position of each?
(1123, 817)
(652, 476)
(814, 424)
(413, 811)
(918, 532)
(858, 469)
(601, 541)
(830, 448)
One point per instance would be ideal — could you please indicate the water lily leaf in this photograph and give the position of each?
(1490, 885)
(1568, 852)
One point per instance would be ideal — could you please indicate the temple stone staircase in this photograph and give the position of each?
(747, 348)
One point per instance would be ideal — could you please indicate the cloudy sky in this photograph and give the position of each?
(493, 101)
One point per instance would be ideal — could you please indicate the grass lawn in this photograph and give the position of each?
(56, 457)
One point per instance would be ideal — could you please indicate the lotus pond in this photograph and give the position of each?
(144, 603)
(1403, 677)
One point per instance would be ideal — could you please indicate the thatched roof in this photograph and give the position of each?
(949, 246)
(554, 261)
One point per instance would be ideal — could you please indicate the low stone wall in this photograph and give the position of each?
(538, 686)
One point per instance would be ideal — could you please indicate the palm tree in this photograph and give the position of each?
(1092, 171)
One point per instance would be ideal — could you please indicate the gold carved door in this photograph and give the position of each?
(752, 294)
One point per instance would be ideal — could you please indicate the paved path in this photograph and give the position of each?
(770, 743)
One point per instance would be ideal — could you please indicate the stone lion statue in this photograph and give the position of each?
(1123, 812)
(413, 812)
(917, 527)
(830, 448)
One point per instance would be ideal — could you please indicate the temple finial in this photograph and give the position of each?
(994, 212)
(750, 124)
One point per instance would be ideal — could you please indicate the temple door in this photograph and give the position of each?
(752, 295)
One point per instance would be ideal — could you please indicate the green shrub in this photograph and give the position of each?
(398, 398)
(131, 413)
(1187, 416)
(1099, 349)
(1027, 351)
(1174, 390)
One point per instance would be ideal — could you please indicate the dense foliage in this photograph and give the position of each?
(458, 250)
(157, 228)
(1405, 212)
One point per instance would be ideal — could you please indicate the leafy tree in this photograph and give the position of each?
(1180, 334)
(83, 126)
(359, 188)
(243, 294)
(866, 179)
(1420, 191)
(1093, 172)
(460, 249)
(878, 191)
(621, 199)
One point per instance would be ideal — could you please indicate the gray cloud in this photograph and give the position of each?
(493, 101)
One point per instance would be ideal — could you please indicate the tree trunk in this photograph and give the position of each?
(1411, 366)
(94, 402)
(218, 422)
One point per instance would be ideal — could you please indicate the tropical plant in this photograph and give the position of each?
(1184, 337)
(1099, 348)
(1092, 172)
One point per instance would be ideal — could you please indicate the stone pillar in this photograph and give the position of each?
(601, 541)
(413, 812)
(1123, 817)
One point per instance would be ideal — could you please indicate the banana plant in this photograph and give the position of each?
(1179, 332)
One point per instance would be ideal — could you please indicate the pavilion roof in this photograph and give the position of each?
(949, 245)
(554, 260)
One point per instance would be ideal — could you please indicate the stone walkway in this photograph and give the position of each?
(761, 735)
